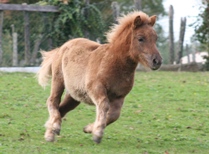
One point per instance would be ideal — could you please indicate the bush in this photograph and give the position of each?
(76, 19)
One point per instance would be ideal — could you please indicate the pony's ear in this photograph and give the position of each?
(137, 22)
(153, 20)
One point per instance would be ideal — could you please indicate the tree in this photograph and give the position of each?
(171, 36)
(76, 18)
(181, 40)
(202, 30)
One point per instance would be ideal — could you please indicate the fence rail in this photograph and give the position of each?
(25, 7)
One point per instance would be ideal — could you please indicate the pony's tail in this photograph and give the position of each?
(45, 72)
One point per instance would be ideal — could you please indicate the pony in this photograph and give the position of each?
(98, 74)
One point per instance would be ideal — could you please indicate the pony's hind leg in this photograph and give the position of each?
(67, 105)
(53, 125)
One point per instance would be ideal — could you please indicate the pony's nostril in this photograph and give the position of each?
(155, 61)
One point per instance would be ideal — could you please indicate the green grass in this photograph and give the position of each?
(166, 112)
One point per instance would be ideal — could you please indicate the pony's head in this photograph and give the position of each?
(143, 42)
(135, 30)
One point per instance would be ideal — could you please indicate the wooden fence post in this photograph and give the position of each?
(1, 27)
(181, 39)
(116, 11)
(138, 4)
(15, 52)
(27, 37)
(171, 36)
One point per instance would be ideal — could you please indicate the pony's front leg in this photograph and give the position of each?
(112, 115)
(114, 110)
(100, 99)
(53, 125)
(100, 122)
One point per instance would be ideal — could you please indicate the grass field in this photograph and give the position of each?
(165, 113)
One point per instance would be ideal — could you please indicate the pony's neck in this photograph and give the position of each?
(120, 47)
(125, 62)
(121, 43)
(130, 65)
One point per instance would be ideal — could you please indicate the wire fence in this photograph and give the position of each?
(14, 39)
(21, 41)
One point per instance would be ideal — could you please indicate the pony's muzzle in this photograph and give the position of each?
(156, 62)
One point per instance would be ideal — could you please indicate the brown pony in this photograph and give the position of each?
(98, 74)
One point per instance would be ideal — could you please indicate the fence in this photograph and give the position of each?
(21, 37)
(19, 45)
(25, 29)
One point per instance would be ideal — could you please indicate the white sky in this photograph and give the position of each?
(182, 8)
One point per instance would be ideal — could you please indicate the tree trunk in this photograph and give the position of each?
(1, 27)
(171, 36)
(116, 11)
(181, 39)
(36, 49)
(27, 38)
(138, 4)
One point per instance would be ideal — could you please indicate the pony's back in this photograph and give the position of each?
(72, 47)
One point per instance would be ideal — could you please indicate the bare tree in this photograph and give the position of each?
(171, 35)
(181, 39)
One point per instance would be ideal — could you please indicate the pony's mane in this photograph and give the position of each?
(124, 22)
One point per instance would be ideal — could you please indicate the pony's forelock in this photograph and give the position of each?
(123, 22)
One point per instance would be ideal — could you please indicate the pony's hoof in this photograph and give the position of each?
(49, 138)
(56, 128)
(56, 131)
(87, 129)
(97, 139)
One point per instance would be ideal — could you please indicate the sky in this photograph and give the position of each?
(182, 8)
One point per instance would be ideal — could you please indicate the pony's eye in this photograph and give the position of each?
(141, 39)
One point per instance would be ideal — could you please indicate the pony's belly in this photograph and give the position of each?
(81, 96)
